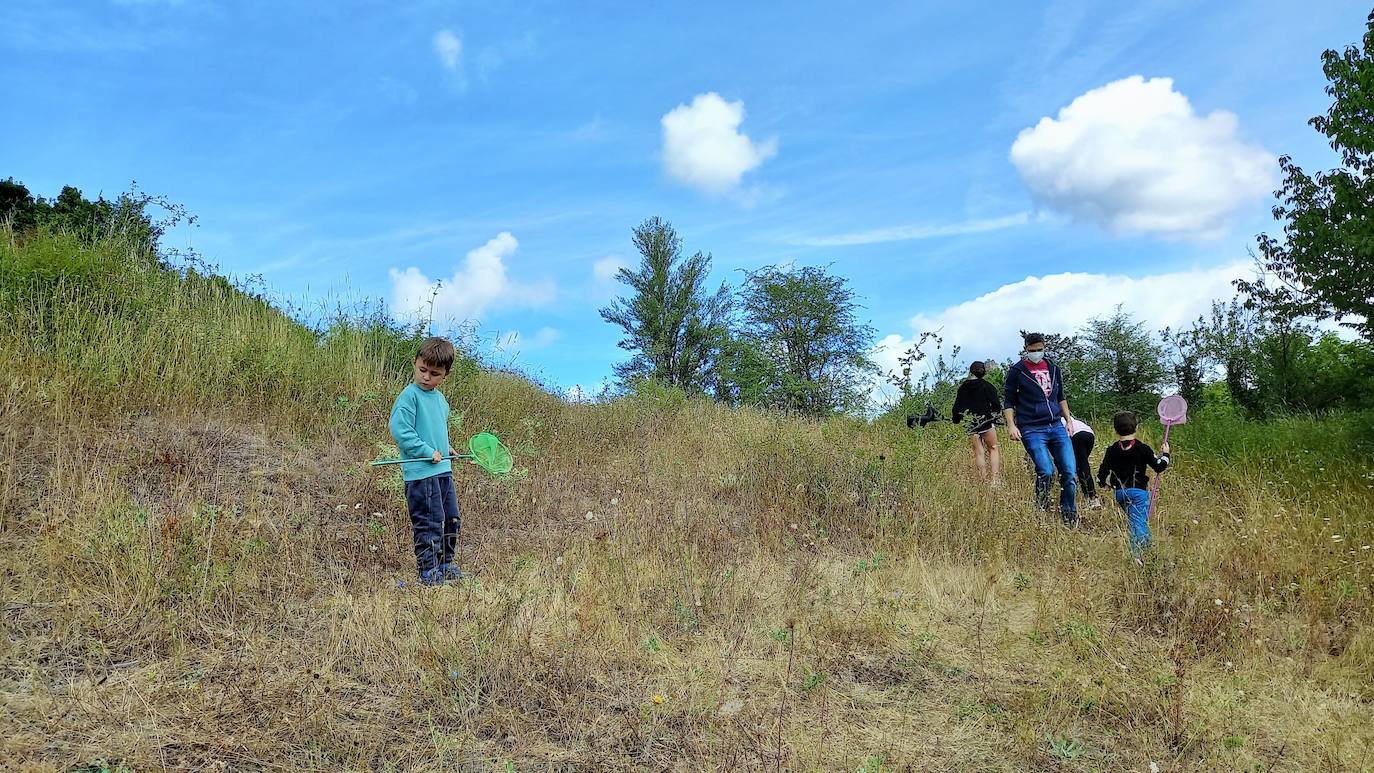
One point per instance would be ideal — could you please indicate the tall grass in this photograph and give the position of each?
(200, 570)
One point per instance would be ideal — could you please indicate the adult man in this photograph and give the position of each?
(1035, 409)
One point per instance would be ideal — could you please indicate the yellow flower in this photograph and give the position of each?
(658, 698)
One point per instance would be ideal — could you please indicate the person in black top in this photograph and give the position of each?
(979, 400)
(1123, 469)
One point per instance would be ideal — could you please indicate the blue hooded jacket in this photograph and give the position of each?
(1022, 394)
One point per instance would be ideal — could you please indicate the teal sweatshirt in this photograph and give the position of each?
(419, 425)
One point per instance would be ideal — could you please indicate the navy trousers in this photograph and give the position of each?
(434, 518)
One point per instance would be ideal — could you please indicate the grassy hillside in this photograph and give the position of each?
(198, 569)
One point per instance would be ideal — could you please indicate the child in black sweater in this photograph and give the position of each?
(1123, 469)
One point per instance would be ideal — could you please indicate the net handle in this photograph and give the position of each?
(381, 462)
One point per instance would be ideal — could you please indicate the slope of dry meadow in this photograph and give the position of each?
(198, 570)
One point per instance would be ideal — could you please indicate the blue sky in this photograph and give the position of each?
(356, 150)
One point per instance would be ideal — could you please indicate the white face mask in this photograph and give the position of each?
(1035, 356)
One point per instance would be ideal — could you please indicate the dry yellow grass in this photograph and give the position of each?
(199, 574)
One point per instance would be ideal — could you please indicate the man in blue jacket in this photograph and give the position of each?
(1033, 405)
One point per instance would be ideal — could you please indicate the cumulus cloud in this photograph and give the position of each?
(988, 326)
(475, 286)
(449, 48)
(1133, 157)
(604, 272)
(703, 147)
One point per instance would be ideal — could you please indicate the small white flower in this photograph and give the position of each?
(1154, 767)
(558, 561)
(1217, 602)
(794, 526)
(1336, 538)
(358, 506)
(591, 516)
(615, 501)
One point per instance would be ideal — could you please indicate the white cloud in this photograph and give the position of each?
(543, 337)
(1133, 157)
(703, 147)
(604, 272)
(912, 232)
(449, 48)
(988, 326)
(479, 283)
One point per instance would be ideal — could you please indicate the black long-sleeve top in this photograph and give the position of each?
(1124, 463)
(977, 398)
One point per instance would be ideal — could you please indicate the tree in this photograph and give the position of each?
(1120, 366)
(806, 321)
(1325, 259)
(126, 216)
(1188, 355)
(673, 329)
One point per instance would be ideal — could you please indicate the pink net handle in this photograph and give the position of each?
(1173, 410)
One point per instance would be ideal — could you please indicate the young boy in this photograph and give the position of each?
(1123, 469)
(419, 425)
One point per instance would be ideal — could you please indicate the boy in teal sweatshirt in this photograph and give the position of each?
(419, 425)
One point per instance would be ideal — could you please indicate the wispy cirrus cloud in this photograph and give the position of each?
(903, 233)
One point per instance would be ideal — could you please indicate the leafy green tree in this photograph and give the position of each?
(1324, 261)
(1188, 355)
(127, 216)
(807, 322)
(1121, 366)
(746, 374)
(673, 328)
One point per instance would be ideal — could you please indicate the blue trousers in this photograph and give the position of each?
(433, 506)
(1050, 448)
(1136, 503)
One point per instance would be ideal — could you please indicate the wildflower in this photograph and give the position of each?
(1217, 602)
(591, 516)
(658, 698)
(1154, 767)
(1336, 538)
(358, 506)
(615, 501)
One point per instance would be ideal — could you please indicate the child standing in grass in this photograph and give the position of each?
(1123, 469)
(419, 425)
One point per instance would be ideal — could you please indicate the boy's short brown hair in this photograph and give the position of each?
(437, 353)
(1125, 423)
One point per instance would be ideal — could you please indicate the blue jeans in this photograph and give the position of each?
(434, 518)
(1136, 503)
(1049, 448)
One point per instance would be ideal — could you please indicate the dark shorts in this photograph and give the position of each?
(982, 426)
